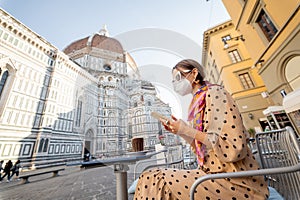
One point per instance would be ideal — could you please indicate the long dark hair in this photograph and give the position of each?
(190, 65)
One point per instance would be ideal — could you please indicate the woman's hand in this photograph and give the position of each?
(172, 125)
(180, 128)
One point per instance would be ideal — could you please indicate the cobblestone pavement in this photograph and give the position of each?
(73, 183)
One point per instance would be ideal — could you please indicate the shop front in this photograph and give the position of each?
(277, 117)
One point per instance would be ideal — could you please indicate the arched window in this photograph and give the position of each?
(292, 71)
(46, 145)
(41, 145)
(3, 81)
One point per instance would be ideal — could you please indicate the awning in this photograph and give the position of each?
(291, 102)
(272, 109)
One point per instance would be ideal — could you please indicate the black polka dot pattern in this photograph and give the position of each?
(229, 153)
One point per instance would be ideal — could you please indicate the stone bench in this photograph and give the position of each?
(26, 177)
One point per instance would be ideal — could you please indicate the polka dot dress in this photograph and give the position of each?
(227, 151)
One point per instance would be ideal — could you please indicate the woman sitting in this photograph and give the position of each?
(218, 138)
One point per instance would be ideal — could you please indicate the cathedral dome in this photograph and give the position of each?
(100, 40)
(99, 52)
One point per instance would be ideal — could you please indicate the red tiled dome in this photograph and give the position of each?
(96, 41)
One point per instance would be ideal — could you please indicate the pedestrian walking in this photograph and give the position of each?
(87, 155)
(16, 169)
(1, 168)
(7, 168)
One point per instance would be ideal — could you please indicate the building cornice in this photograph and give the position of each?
(209, 32)
(23, 31)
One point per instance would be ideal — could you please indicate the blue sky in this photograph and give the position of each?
(177, 27)
(63, 21)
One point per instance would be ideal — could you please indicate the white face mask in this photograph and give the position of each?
(182, 87)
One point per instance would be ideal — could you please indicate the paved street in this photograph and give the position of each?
(73, 183)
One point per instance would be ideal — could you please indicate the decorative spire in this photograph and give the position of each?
(104, 31)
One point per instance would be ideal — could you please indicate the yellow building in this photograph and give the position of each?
(272, 37)
(228, 63)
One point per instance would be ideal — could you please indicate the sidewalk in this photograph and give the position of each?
(14, 181)
(73, 183)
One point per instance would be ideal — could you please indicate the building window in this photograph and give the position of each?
(107, 67)
(3, 81)
(41, 145)
(246, 80)
(78, 113)
(212, 77)
(235, 56)
(266, 25)
(226, 38)
(46, 145)
(5, 36)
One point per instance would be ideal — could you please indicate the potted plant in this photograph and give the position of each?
(251, 131)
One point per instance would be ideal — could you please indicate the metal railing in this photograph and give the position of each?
(279, 154)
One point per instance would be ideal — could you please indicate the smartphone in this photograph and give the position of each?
(159, 116)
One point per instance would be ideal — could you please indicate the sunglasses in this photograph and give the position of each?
(179, 75)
